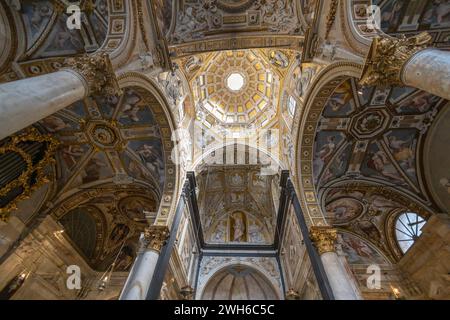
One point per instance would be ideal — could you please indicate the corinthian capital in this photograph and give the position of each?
(387, 57)
(156, 237)
(97, 72)
(323, 238)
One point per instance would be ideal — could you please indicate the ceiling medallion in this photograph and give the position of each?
(235, 82)
(103, 135)
(368, 124)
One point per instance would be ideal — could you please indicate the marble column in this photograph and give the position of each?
(408, 62)
(27, 101)
(141, 274)
(324, 239)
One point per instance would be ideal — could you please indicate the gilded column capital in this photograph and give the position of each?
(388, 56)
(155, 237)
(324, 238)
(97, 72)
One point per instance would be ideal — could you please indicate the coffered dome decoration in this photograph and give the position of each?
(237, 87)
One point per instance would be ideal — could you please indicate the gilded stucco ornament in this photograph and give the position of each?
(156, 237)
(97, 71)
(387, 58)
(324, 238)
(32, 170)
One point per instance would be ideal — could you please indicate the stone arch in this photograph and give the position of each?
(323, 87)
(173, 182)
(221, 271)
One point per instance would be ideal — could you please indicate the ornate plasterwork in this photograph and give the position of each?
(255, 102)
(97, 72)
(155, 237)
(199, 19)
(33, 175)
(324, 238)
(388, 56)
(210, 265)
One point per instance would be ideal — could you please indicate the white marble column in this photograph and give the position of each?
(27, 101)
(429, 70)
(408, 62)
(341, 283)
(141, 274)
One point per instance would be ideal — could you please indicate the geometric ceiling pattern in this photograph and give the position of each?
(110, 139)
(408, 17)
(253, 101)
(368, 143)
(47, 34)
(374, 134)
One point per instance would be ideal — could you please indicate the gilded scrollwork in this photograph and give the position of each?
(33, 171)
(388, 56)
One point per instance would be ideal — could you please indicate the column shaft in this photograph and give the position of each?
(27, 101)
(338, 277)
(141, 275)
(429, 70)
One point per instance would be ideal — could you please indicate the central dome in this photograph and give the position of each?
(237, 88)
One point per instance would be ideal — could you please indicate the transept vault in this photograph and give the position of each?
(224, 149)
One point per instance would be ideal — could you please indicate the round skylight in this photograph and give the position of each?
(235, 81)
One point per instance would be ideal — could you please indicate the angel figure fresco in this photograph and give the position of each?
(344, 209)
(71, 154)
(40, 12)
(419, 103)
(130, 109)
(55, 124)
(438, 13)
(403, 151)
(379, 162)
(150, 156)
(343, 95)
(326, 152)
(390, 18)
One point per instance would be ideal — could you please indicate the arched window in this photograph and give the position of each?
(408, 228)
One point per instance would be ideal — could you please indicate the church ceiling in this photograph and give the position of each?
(409, 17)
(47, 34)
(117, 139)
(239, 87)
(236, 205)
(229, 24)
(106, 223)
(376, 135)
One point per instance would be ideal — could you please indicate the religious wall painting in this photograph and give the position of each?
(96, 169)
(378, 164)
(359, 251)
(343, 210)
(136, 208)
(135, 168)
(403, 145)
(341, 103)
(238, 227)
(119, 233)
(62, 41)
(339, 165)
(402, 15)
(326, 145)
(107, 105)
(36, 16)
(150, 153)
(380, 96)
(56, 123)
(77, 109)
(399, 93)
(48, 35)
(420, 102)
(72, 156)
(134, 110)
(163, 10)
